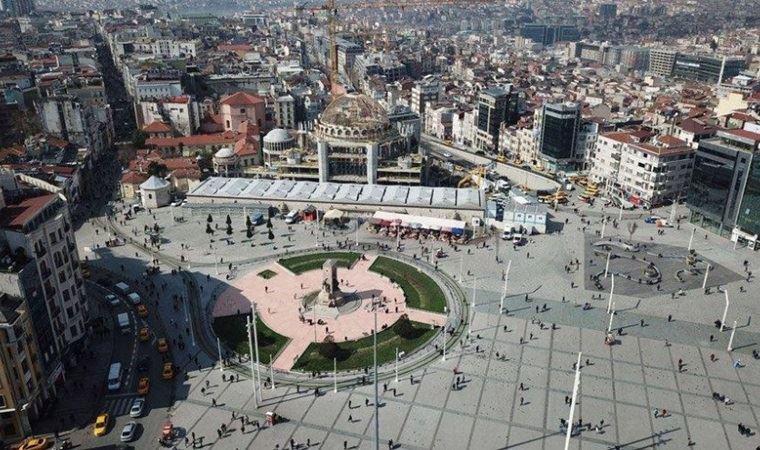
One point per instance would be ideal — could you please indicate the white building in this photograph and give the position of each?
(285, 112)
(463, 127)
(519, 143)
(438, 121)
(642, 173)
(425, 91)
(154, 193)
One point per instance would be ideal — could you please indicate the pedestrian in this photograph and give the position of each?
(350, 418)
(670, 317)
(366, 402)
(656, 413)
(349, 404)
(345, 445)
(213, 402)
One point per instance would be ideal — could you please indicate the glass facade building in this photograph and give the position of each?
(724, 192)
(559, 131)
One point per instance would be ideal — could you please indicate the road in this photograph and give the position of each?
(467, 159)
(128, 350)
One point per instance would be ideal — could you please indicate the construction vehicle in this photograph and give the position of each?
(475, 178)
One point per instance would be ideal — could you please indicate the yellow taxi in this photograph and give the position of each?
(168, 372)
(101, 425)
(142, 311)
(163, 346)
(144, 334)
(35, 443)
(143, 386)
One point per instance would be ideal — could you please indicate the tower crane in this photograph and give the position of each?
(332, 9)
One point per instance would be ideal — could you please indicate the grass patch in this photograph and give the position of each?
(314, 261)
(231, 331)
(404, 334)
(421, 291)
(267, 274)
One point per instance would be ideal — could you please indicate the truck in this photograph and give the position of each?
(123, 319)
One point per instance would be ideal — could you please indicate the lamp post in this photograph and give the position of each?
(731, 339)
(461, 269)
(576, 384)
(256, 349)
(271, 370)
(443, 338)
(396, 379)
(612, 316)
(219, 349)
(612, 291)
(250, 355)
(707, 272)
(725, 311)
(691, 239)
(604, 224)
(374, 364)
(335, 374)
(607, 265)
(506, 281)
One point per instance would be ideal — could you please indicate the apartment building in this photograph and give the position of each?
(661, 61)
(644, 173)
(39, 226)
(23, 391)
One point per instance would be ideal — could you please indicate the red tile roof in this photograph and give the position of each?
(15, 216)
(157, 127)
(746, 134)
(132, 177)
(225, 138)
(241, 99)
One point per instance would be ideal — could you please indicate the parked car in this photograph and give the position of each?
(137, 407)
(128, 432)
(112, 300)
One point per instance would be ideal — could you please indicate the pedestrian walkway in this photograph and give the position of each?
(119, 406)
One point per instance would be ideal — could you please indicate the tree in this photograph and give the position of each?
(229, 230)
(138, 138)
(209, 219)
(632, 227)
(248, 221)
(270, 235)
(229, 220)
(209, 230)
(158, 169)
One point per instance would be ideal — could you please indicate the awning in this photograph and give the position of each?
(334, 214)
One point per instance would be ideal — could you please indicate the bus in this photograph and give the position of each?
(114, 377)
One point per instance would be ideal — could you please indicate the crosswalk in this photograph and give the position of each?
(119, 406)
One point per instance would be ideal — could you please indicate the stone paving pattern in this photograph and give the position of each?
(622, 384)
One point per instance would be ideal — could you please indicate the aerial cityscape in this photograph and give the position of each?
(379, 224)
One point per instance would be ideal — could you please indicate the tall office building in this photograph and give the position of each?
(425, 91)
(496, 105)
(707, 68)
(18, 8)
(550, 34)
(560, 125)
(724, 193)
(661, 61)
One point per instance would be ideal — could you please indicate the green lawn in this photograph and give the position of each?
(314, 261)
(421, 291)
(231, 331)
(267, 274)
(404, 334)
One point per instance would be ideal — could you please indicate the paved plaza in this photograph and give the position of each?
(516, 369)
(280, 305)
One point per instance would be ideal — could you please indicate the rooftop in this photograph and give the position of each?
(271, 191)
(16, 216)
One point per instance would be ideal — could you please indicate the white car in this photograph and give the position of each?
(112, 300)
(446, 155)
(128, 432)
(137, 408)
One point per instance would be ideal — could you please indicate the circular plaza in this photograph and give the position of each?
(317, 309)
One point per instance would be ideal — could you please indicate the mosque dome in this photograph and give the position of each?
(354, 117)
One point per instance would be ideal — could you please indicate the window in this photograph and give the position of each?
(2, 401)
(9, 429)
(73, 331)
(242, 110)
